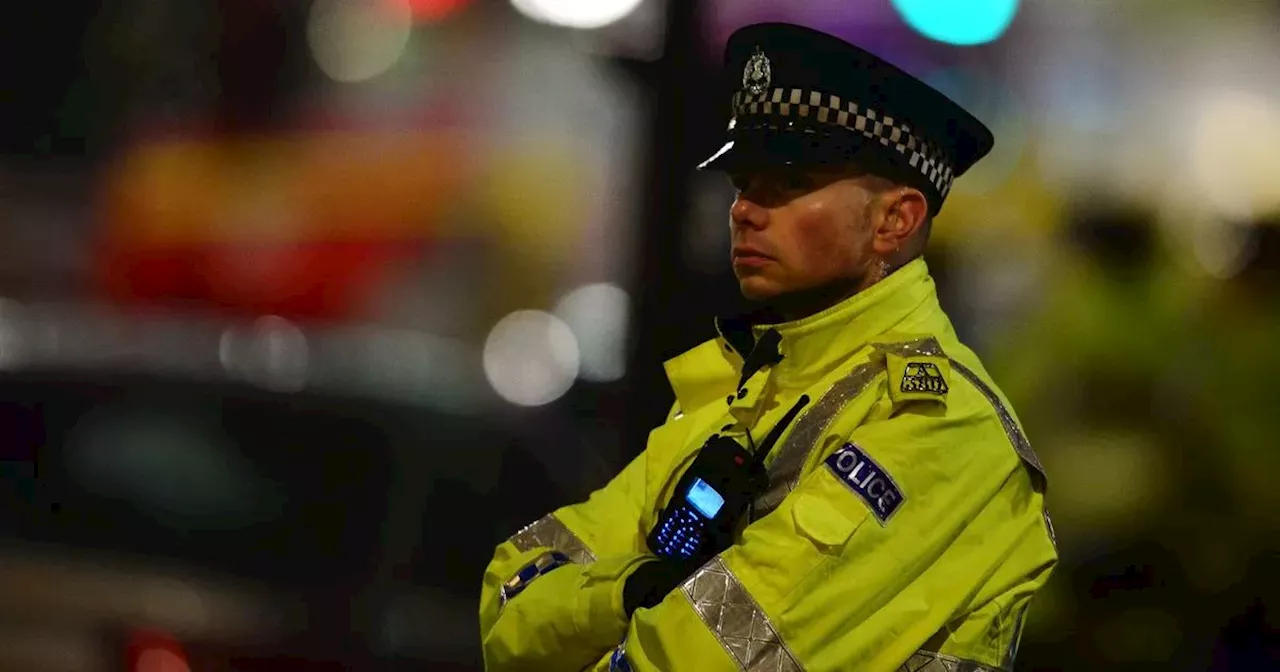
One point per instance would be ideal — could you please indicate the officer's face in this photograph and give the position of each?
(798, 230)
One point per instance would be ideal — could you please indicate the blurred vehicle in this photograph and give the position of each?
(181, 495)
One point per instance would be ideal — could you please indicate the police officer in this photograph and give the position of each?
(839, 485)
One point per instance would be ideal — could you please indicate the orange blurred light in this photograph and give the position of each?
(434, 10)
(324, 186)
(303, 225)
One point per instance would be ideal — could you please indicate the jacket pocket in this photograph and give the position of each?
(803, 535)
(825, 512)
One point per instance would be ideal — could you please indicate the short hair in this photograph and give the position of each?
(897, 172)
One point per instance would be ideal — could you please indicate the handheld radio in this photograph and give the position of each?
(708, 500)
(711, 496)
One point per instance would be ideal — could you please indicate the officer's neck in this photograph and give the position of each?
(799, 305)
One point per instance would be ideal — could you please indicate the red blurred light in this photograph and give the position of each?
(434, 10)
(323, 280)
(153, 651)
(161, 660)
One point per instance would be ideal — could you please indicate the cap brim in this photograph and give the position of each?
(782, 148)
(750, 149)
(722, 159)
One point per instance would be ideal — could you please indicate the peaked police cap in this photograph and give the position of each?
(803, 97)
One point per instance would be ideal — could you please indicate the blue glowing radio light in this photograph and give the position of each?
(704, 498)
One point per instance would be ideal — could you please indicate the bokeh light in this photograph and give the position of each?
(356, 40)
(531, 358)
(1234, 154)
(1109, 481)
(435, 10)
(582, 14)
(960, 22)
(161, 660)
(272, 353)
(1222, 249)
(157, 652)
(598, 315)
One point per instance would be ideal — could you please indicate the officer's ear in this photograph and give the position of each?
(904, 211)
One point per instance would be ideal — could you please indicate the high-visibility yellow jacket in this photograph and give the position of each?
(904, 528)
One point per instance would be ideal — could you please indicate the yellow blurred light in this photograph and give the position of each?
(1023, 204)
(582, 14)
(1107, 481)
(355, 40)
(533, 193)
(1235, 154)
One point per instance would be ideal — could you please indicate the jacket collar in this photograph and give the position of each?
(810, 347)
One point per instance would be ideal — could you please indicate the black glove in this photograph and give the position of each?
(651, 581)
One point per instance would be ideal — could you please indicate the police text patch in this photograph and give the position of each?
(867, 479)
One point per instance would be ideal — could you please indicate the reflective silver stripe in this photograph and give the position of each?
(1019, 440)
(549, 532)
(520, 580)
(1048, 526)
(931, 661)
(1011, 428)
(924, 347)
(784, 471)
(737, 621)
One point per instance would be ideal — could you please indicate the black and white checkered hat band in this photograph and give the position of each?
(828, 109)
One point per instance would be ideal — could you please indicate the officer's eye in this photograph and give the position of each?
(740, 183)
(795, 180)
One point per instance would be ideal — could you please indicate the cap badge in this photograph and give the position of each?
(756, 76)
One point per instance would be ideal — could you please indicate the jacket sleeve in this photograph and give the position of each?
(828, 581)
(569, 616)
(990, 630)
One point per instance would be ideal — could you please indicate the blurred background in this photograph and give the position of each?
(307, 304)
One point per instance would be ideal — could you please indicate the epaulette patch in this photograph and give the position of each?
(918, 378)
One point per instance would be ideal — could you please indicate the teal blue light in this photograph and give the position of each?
(962, 22)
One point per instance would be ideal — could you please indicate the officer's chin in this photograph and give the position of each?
(758, 288)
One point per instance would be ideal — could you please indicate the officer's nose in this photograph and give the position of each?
(747, 213)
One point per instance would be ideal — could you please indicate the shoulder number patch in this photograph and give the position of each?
(923, 377)
(918, 378)
(868, 480)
